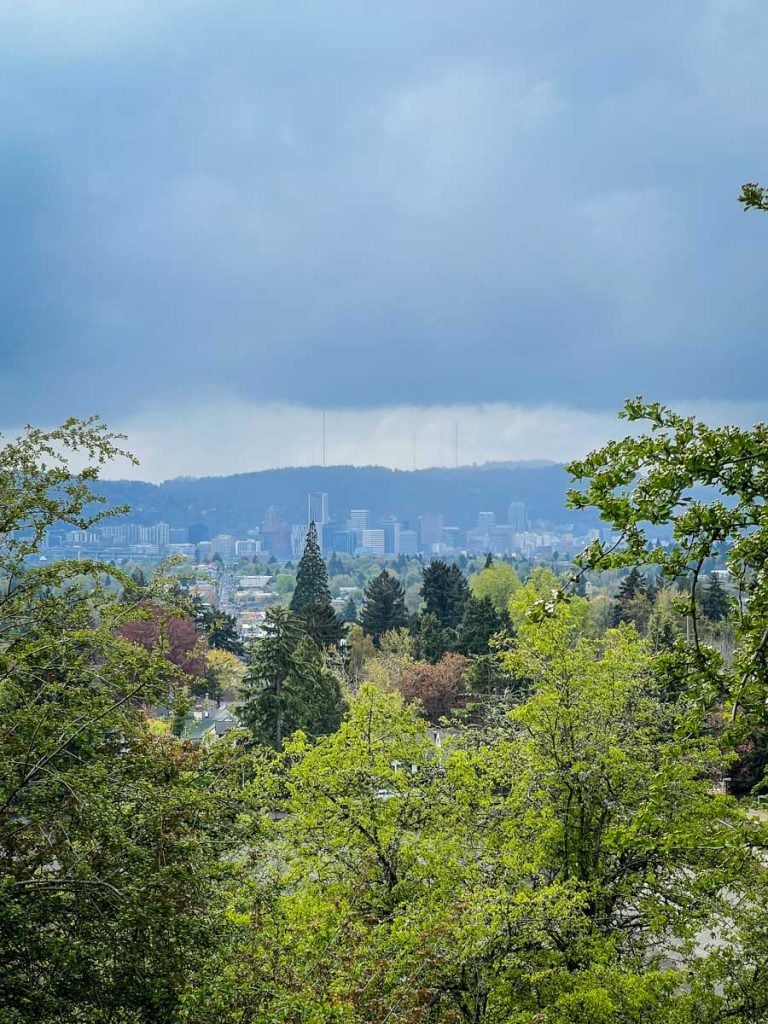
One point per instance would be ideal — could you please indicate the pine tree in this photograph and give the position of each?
(383, 606)
(288, 686)
(311, 576)
(432, 640)
(350, 610)
(311, 600)
(631, 587)
(479, 623)
(714, 600)
(488, 560)
(220, 630)
(445, 592)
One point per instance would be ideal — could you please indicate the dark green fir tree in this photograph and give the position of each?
(311, 600)
(479, 623)
(445, 592)
(220, 629)
(432, 639)
(383, 606)
(631, 587)
(289, 686)
(349, 614)
(714, 600)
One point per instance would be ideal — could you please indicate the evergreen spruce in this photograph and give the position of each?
(714, 600)
(445, 592)
(383, 606)
(432, 639)
(289, 686)
(311, 576)
(311, 600)
(479, 623)
(349, 614)
(631, 587)
(220, 629)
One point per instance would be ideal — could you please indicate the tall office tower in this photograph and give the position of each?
(391, 529)
(409, 543)
(359, 519)
(298, 540)
(430, 530)
(317, 508)
(517, 516)
(272, 519)
(485, 520)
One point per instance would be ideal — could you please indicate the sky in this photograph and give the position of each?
(220, 218)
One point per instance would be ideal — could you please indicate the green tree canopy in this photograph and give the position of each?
(445, 592)
(112, 840)
(479, 623)
(383, 606)
(311, 600)
(288, 686)
(708, 484)
(497, 581)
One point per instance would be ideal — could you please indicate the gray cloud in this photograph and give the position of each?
(345, 204)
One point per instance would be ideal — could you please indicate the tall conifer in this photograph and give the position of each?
(311, 600)
(383, 606)
(445, 592)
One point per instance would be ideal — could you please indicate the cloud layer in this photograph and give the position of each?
(212, 439)
(215, 204)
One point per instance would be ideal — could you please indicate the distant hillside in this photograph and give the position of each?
(233, 504)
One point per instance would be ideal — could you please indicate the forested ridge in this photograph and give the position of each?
(239, 502)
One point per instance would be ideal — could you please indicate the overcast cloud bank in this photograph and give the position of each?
(363, 206)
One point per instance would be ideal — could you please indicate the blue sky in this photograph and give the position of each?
(222, 216)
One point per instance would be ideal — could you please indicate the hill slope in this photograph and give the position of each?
(236, 503)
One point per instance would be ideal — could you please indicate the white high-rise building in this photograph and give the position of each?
(359, 519)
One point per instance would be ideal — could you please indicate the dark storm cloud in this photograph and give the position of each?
(352, 203)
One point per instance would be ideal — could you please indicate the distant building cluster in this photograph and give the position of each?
(353, 532)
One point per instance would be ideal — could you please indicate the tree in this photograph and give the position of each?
(383, 606)
(220, 630)
(668, 476)
(614, 775)
(224, 674)
(432, 640)
(754, 197)
(498, 582)
(170, 634)
(714, 600)
(288, 686)
(311, 576)
(438, 687)
(311, 600)
(349, 614)
(112, 840)
(445, 592)
(631, 588)
(479, 623)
